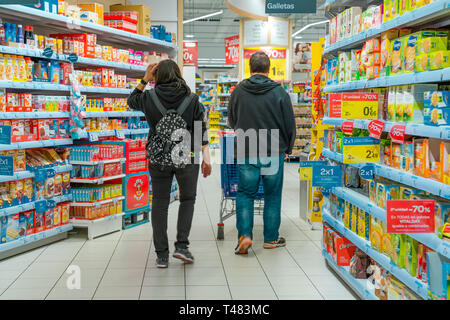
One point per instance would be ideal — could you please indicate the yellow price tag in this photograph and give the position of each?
(361, 153)
(278, 61)
(359, 105)
(305, 173)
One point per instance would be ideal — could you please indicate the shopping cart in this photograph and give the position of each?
(229, 182)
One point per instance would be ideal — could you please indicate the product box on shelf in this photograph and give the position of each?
(343, 250)
(437, 108)
(438, 269)
(143, 12)
(397, 290)
(136, 191)
(96, 8)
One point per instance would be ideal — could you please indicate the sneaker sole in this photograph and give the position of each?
(160, 266)
(243, 246)
(185, 259)
(273, 246)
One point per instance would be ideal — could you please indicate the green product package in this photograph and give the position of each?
(411, 255)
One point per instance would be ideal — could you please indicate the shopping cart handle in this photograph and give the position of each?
(223, 132)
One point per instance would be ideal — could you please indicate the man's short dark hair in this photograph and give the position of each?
(259, 63)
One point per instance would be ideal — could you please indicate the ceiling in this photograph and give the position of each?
(210, 32)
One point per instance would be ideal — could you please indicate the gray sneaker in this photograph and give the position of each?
(184, 254)
(162, 262)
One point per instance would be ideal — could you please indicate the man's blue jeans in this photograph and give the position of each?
(270, 170)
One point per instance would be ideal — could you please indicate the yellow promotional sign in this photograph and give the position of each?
(359, 105)
(306, 173)
(361, 149)
(278, 60)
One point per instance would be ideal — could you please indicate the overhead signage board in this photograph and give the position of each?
(255, 32)
(291, 6)
(279, 32)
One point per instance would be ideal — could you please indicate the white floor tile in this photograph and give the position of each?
(207, 293)
(25, 294)
(62, 293)
(163, 292)
(117, 293)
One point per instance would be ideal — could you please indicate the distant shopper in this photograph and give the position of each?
(167, 108)
(260, 112)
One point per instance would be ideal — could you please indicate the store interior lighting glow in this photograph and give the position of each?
(189, 36)
(203, 17)
(308, 26)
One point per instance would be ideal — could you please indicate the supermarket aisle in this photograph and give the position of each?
(121, 265)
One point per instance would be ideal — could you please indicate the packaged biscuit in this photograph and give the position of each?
(66, 183)
(396, 58)
(58, 184)
(57, 216)
(65, 212)
(3, 227)
(376, 233)
(12, 228)
(439, 60)
(422, 63)
(398, 244)
(29, 219)
(410, 256)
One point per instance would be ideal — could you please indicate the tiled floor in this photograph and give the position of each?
(122, 265)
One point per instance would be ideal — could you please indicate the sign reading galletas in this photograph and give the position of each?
(410, 216)
(291, 6)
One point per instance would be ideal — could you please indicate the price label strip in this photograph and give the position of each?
(93, 136)
(359, 105)
(306, 171)
(361, 150)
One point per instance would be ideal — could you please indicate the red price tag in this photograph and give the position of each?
(397, 133)
(335, 102)
(376, 128)
(232, 50)
(410, 216)
(347, 127)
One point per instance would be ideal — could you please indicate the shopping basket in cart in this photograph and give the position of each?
(229, 182)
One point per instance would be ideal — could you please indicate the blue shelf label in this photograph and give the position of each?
(41, 206)
(5, 134)
(312, 163)
(93, 136)
(119, 134)
(48, 52)
(327, 176)
(367, 172)
(6, 166)
(40, 175)
(72, 57)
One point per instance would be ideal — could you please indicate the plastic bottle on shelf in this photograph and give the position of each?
(19, 34)
(29, 36)
(2, 32)
(7, 31)
(12, 32)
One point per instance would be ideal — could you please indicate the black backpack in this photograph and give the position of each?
(166, 145)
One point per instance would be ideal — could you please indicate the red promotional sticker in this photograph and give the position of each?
(347, 127)
(410, 216)
(335, 103)
(232, 50)
(376, 128)
(397, 133)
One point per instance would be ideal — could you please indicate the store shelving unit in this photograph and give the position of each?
(414, 129)
(34, 241)
(52, 23)
(428, 185)
(101, 226)
(30, 174)
(30, 206)
(57, 22)
(303, 120)
(359, 286)
(434, 15)
(416, 285)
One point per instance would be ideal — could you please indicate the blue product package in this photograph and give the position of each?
(54, 71)
(436, 99)
(3, 226)
(54, 129)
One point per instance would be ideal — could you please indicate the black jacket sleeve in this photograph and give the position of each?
(199, 115)
(231, 110)
(136, 100)
(289, 121)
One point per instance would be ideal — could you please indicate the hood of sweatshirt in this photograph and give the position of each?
(171, 94)
(258, 84)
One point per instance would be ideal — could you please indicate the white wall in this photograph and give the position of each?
(162, 12)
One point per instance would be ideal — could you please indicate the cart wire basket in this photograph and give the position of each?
(229, 182)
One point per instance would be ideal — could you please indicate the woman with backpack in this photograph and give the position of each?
(175, 117)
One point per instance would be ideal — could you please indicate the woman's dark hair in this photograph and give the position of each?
(168, 72)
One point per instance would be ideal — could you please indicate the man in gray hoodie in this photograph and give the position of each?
(260, 111)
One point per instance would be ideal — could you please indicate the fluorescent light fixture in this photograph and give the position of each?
(189, 36)
(203, 17)
(309, 25)
(298, 37)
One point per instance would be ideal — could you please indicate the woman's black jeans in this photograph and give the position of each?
(161, 184)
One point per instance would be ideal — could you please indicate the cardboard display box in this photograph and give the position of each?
(144, 22)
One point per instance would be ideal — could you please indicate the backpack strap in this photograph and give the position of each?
(158, 103)
(185, 104)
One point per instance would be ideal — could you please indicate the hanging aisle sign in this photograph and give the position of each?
(232, 50)
(190, 53)
(359, 105)
(361, 149)
(291, 6)
(277, 62)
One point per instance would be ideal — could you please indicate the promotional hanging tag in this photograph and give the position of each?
(375, 128)
(5, 134)
(6, 166)
(410, 216)
(397, 133)
(72, 58)
(347, 127)
(48, 52)
(367, 172)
